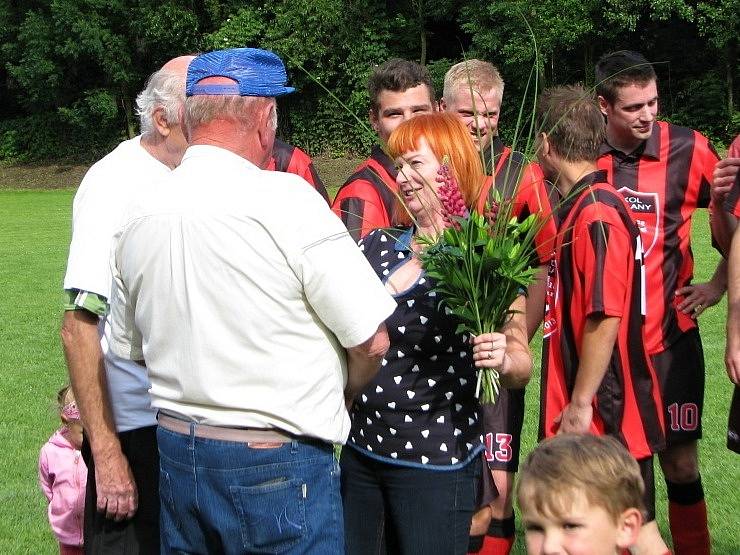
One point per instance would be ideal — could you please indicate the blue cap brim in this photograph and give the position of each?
(233, 90)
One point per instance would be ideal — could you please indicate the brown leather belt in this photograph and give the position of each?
(253, 437)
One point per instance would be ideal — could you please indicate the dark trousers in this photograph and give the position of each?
(402, 510)
(140, 535)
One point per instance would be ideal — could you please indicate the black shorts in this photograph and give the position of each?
(648, 478)
(502, 430)
(140, 535)
(680, 370)
(487, 490)
(733, 422)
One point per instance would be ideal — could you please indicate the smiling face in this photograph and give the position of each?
(582, 529)
(417, 183)
(479, 112)
(630, 119)
(396, 107)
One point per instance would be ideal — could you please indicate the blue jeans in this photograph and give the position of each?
(225, 497)
(400, 510)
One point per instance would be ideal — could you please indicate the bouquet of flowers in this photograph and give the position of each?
(480, 263)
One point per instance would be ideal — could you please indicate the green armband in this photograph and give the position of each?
(75, 299)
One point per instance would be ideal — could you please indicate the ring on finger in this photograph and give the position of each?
(698, 307)
(490, 355)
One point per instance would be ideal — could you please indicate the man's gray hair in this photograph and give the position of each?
(164, 89)
(202, 109)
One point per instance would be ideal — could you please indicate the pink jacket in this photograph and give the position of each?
(62, 476)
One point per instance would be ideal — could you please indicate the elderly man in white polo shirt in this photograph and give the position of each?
(258, 318)
(120, 447)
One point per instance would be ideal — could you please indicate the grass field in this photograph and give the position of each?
(35, 229)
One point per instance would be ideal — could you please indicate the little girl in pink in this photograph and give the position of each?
(63, 475)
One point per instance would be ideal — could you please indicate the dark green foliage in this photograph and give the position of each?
(77, 65)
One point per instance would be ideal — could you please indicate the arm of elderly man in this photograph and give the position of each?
(116, 489)
(86, 284)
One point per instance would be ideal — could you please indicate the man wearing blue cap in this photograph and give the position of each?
(258, 319)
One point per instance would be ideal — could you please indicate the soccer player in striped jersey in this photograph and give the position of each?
(291, 159)
(473, 91)
(398, 90)
(594, 300)
(664, 173)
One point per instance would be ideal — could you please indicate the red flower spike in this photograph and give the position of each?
(453, 204)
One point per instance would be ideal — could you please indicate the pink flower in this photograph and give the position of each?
(453, 204)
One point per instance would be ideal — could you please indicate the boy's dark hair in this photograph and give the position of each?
(620, 69)
(572, 121)
(397, 75)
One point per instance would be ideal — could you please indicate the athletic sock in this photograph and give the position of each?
(687, 516)
(500, 537)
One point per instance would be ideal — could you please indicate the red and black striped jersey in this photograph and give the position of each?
(732, 202)
(368, 198)
(596, 272)
(663, 182)
(532, 193)
(291, 159)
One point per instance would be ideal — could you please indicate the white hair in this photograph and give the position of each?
(202, 109)
(164, 89)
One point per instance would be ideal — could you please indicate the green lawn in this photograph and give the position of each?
(35, 229)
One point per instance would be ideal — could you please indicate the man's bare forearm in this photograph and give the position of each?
(517, 346)
(363, 362)
(81, 343)
(536, 302)
(723, 227)
(732, 351)
(599, 338)
(733, 276)
(116, 490)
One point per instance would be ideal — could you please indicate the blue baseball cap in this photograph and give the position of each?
(256, 72)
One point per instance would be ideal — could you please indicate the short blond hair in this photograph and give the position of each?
(568, 465)
(472, 74)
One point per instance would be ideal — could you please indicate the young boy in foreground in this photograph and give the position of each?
(580, 494)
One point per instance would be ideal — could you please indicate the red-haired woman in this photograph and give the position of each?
(412, 464)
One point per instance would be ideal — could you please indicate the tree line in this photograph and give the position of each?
(71, 69)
